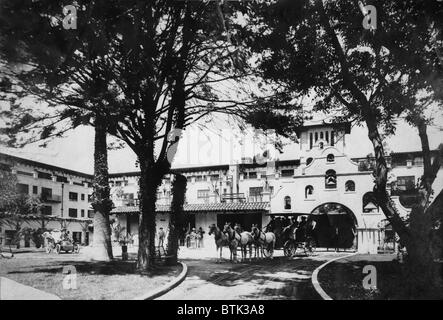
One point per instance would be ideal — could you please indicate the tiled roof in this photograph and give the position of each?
(201, 207)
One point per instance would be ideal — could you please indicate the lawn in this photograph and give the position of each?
(95, 280)
(343, 279)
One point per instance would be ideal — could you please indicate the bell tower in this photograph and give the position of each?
(316, 136)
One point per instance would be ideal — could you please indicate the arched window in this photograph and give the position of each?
(321, 135)
(330, 158)
(316, 136)
(308, 161)
(309, 192)
(287, 203)
(369, 202)
(349, 186)
(330, 179)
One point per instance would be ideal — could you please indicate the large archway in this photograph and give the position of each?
(335, 225)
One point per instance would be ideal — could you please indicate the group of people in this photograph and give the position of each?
(194, 238)
(290, 227)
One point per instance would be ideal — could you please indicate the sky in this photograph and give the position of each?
(216, 145)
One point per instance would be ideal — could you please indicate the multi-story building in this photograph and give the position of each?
(323, 183)
(64, 195)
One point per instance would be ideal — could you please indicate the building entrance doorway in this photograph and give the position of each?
(335, 226)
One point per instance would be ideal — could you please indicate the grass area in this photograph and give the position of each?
(343, 280)
(95, 280)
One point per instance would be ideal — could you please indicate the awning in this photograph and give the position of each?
(221, 207)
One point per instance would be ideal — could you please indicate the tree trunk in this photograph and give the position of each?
(149, 182)
(416, 238)
(101, 204)
(176, 220)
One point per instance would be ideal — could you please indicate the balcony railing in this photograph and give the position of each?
(51, 198)
(228, 197)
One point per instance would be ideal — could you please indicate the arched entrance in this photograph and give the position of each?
(335, 225)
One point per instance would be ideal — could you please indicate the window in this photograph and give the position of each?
(406, 183)
(311, 142)
(73, 196)
(255, 194)
(418, 161)
(61, 179)
(24, 173)
(22, 188)
(89, 197)
(308, 161)
(91, 214)
(332, 138)
(287, 201)
(72, 213)
(252, 175)
(316, 136)
(82, 197)
(330, 179)
(327, 136)
(34, 190)
(350, 186)
(199, 178)
(10, 237)
(46, 210)
(330, 158)
(321, 135)
(202, 194)
(82, 213)
(44, 175)
(309, 192)
(46, 193)
(287, 173)
(369, 203)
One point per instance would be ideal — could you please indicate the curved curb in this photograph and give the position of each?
(167, 287)
(314, 278)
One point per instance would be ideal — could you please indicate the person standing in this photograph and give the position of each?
(200, 237)
(161, 237)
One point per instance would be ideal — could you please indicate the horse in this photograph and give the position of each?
(246, 241)
(264, 239)
(221, 239)
(233, 239)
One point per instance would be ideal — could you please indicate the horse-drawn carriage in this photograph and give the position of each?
(59, 241)
(295, 238)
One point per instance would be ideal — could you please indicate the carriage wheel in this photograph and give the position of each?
(48, 248)
(311, 246)
(58, 248)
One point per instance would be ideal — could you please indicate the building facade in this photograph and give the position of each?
(332, 190)
(64, 195)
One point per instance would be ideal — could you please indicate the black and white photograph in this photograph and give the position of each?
(221, 153)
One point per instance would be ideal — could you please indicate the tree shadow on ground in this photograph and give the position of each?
(96, 268)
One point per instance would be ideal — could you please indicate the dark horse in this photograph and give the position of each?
(221, 239)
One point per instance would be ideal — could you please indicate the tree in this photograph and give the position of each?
(152, 68)
(38, 56)
(15, 207)
(320, 48)
(176, 222)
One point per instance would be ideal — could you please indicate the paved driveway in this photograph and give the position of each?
(280, 278)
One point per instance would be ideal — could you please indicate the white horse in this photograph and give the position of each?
(245, 241)
(266, 240)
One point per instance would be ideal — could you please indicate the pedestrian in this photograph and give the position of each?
(161, 237)
(200, 237)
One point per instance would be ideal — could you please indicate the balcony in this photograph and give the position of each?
(233, 197)
(50, 198)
